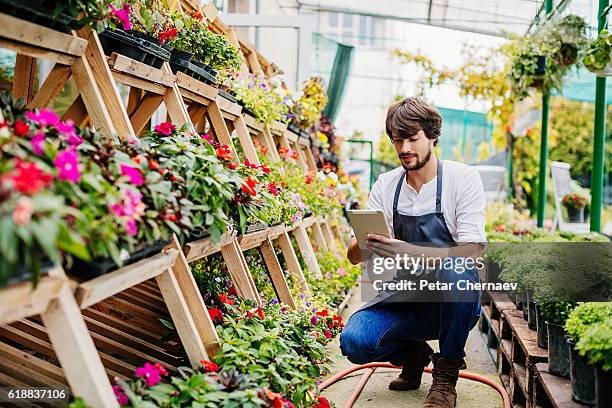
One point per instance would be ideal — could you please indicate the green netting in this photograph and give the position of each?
(462, 134)
(324, 53)
(579, 85)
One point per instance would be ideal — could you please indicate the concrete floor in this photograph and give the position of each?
(376, 393)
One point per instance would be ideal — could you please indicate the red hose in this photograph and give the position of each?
(371, 366)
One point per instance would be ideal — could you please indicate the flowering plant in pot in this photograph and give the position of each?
(152, 20)
(260, 99)
(565, 40)
(309, 103)
(575, 204)
(597, 58)
(582, 373)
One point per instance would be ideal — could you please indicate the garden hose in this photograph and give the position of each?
(370, 367)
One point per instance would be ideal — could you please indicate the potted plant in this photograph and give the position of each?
(308, 104)
(582, 374)
(575, 204)
(261, 100)
(596, 344)
(556, 314)
(565, 39)
(597, 58)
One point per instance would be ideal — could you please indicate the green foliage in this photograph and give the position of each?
(263, 100)
(557, 312)
(260, 274)
(385, 151)
(598, 54)
(586, 315)
(596, 344)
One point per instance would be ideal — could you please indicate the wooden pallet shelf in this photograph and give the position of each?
(551, 390)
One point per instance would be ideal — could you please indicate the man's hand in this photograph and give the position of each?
(389, 247)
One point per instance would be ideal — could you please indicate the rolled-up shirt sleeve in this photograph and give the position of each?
(470, 210)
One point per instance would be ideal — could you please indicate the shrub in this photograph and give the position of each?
(596, 344)
(586, 315)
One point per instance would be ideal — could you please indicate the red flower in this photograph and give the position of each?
(165, 128)
(265, 169)
(168, 33)
(224, 153)
(249, 314)
(224, 299)
(272, 189)
(20, 128)
(322, 403)
(283, 184)
(215, 314)
(153, 165)
(170, 217)
(162, 370)
(260, 313)
(232, 165)
(308, 179)
(232, 291)
(197, 15)
(327, 168)
(28, 178)
(249, 187)
(209, 366)
(323, 313)
(327, 334)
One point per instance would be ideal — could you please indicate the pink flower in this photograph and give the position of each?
(314, 320)
(44, 117)
(165, 128)
(122, 399)
(327, 334)
(133, 174)
(67, 164)
(37, 142)
(23, 211)
(207, 137)
(123, 15)
(149, 373)
(130, 227)
(67, 130)
(341, 271)
(131, 206)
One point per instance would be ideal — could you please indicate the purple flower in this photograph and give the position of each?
(67, 164)
(44, 117)
(308, 304)
(303, 295)
(314, 320)
(133, 174)
(37, 143)
(274, 301)
(327, 275)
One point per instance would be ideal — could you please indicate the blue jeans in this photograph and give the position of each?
(384, 331)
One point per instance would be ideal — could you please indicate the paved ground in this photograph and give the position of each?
(376, 393)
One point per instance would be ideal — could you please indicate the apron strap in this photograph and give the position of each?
(397, 191)
(439, 188)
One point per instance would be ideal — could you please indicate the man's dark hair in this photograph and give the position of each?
(408, 116)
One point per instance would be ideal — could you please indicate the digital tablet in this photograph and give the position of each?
(366, 222)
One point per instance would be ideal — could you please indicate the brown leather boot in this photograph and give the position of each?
(412, 368)
(442, 393)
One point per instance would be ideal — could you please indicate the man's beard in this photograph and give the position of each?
(419, 163)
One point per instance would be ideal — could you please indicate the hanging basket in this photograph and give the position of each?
(605, 71)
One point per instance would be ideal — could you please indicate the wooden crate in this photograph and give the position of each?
(551, 390)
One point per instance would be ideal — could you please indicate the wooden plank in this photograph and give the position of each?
(253, 239)
(76, 352)
(94, 54)
(135, 82)
(148, 105)
(182, 318)
(102, 287)
(41, 37)
(293, 264)
(329, 236)
(268, 141)
(309, 221)
(126, 65)
(245, 140)
(279, 127)
(276, 273)
(307, 251)
(195, 302)
(24, 79)
(558, 389)
(319, 239)
(228, 106)
(92, 97)
(36, 52)
(312, 164)
(194, 97)
(291, 137)
(21, 359)
(234, 259)
(204, 247)
(52, 86)
(527, 339)
(174, 103)
(197, 113)
(77, 112)
(275, 231)
(22, 300)
(195, 86)
(252, 123)
(134, 97)
(219, 127)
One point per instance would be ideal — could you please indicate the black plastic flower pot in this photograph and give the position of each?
(180, 55)
(23, 274)
(204, 71)
(197, 235)
(582, 376)
(100, 266)
(255, 227)
(558, 350)
(120, 42)
(541, 65)
(227, 96)
(575, 214)
(603, 388)
(293, 128)
(541, 328)
(51, 14)
(531, 315)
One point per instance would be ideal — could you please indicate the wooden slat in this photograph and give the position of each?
(36, 52)
(19, 358)
(94, 54)
(219, 127)
(100, 288)
(148, 105)
(319, 239)
(52, 86)
(236, 266)
(77, 112)
(24, 79)
(276, 273)
(253, 239)
(275, 231)
(228, 106)
(268, 141)
(252, 122)
(41, 37)
(195, 86)
(195, 302)
(22, 300)
(329, 236)
(307, 251)
(181, 317)
(174, 103)
(134, 97)
(204, 247)
(245, 140)
(126, 65)
(293, 264)
(139, 83)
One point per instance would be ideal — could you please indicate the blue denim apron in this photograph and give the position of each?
(387, 326)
